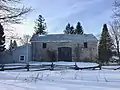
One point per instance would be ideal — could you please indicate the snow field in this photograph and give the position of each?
(61, 80)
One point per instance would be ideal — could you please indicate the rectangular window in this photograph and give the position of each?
(22, 58)
(44, 45)
(85, 45)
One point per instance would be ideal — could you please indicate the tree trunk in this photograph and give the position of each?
(118, 52)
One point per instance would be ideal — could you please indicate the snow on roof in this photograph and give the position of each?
(62, 37)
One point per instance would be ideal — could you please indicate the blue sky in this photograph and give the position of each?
(91, 13)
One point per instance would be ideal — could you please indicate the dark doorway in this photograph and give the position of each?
(64, 54)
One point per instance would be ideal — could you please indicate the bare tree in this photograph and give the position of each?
(116, 9)
(52, 55)
(11, 11)
(25, 39)
(91, 53)
(115, 32)
(78, 51)
(115, 26)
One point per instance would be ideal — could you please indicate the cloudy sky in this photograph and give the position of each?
(91, 13)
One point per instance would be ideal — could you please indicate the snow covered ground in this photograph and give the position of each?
(79, 64)
(111, 67)
(60, 80)
(105, 79)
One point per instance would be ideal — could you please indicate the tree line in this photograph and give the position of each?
(40, 27)
(71, 30)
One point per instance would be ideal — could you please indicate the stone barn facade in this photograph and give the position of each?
(62, 47)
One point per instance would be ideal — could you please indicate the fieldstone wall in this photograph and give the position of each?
(79, 52)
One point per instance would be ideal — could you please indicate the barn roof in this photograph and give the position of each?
(62, 37)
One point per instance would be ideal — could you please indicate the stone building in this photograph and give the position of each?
(63, 47)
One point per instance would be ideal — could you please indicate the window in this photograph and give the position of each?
(22, 58)
(44, 45)
(85, 45)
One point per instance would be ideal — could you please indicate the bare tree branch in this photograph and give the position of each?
(10, 13)
(116, 10)
(25, 39)
(115, 32)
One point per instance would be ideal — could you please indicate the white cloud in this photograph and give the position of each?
(25, 28)
(53, 12)
(73, 9)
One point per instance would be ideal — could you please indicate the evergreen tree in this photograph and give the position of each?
(2, 39)
(14, 44)
(11, 44)
(67, 29)
(105, 46)
(72, 30)
(40, 26)
(79, 29)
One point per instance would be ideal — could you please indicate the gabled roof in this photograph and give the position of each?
(62, 37)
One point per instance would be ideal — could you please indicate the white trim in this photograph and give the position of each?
(64, 40)
(54, 41)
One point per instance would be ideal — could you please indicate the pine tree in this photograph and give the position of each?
(105, 46)
(10, 46)
(67, 29)
(72, 30)
(14, 44)
(40, 26)
(2, 39)
(79, 29)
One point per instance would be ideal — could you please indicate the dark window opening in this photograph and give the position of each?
(22, 58)
(44, 45)
(85, 45)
